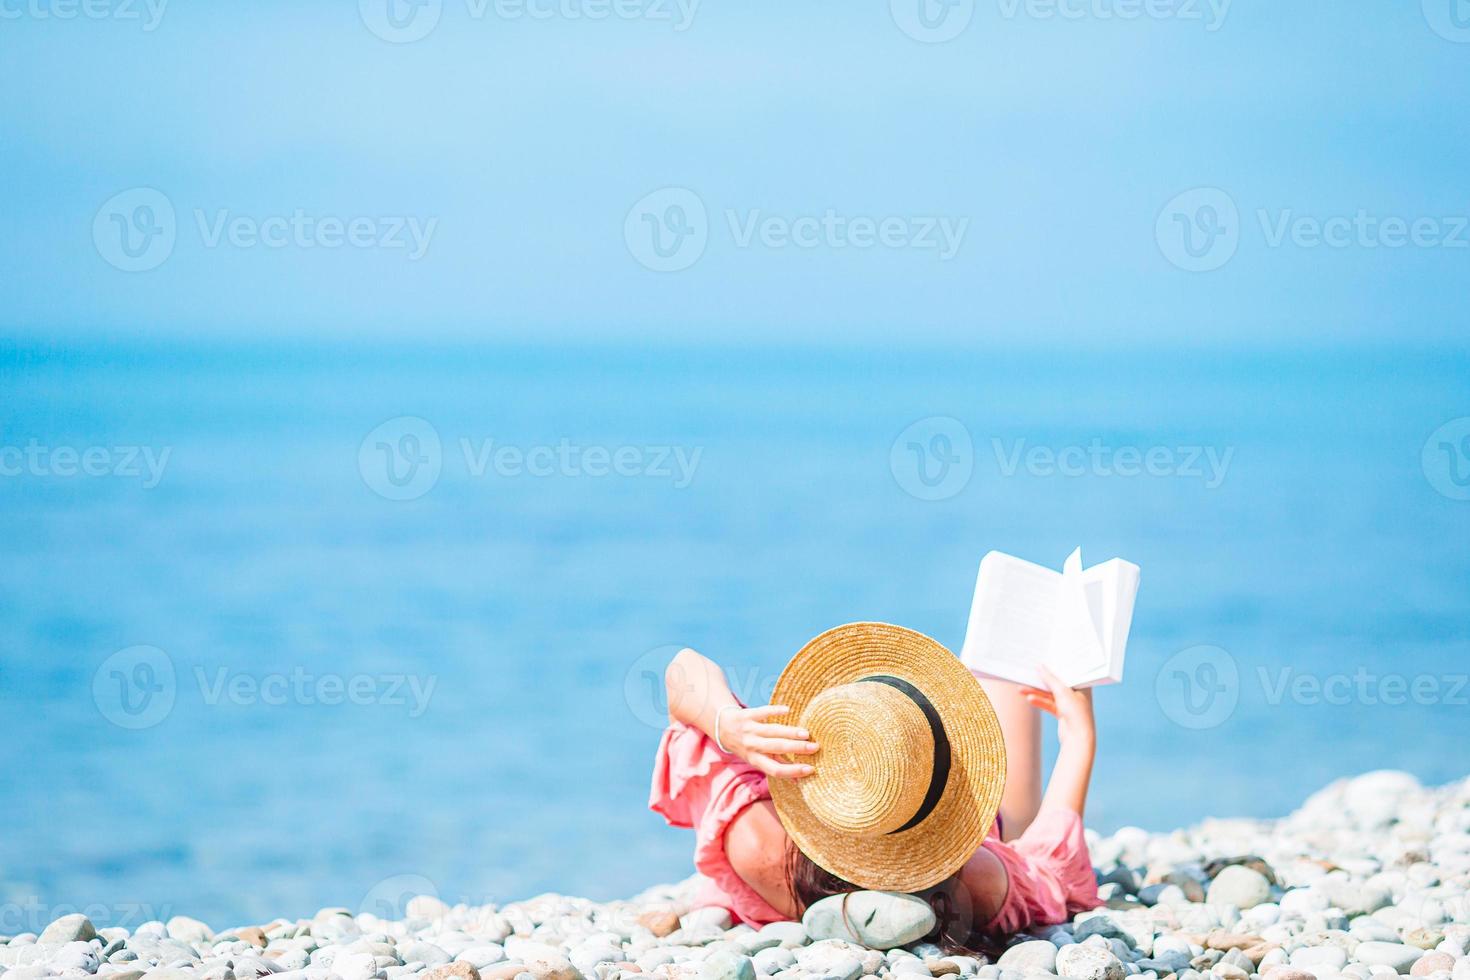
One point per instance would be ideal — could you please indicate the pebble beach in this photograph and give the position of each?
(1367, 878)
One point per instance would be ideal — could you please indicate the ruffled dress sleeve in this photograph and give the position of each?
(698, 786)
(1050, 872)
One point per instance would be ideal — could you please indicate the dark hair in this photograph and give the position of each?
(808, 882)
(955, 932)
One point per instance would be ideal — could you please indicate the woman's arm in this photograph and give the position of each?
(699, 695)
(755, 842)
(984, 875)
(1077, 733)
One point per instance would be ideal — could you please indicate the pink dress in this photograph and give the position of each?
(696, 785)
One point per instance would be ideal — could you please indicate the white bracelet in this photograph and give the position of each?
(717, 726)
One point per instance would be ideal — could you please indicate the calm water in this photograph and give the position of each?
(269, 576)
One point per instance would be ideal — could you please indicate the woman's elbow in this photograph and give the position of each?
(677, 681)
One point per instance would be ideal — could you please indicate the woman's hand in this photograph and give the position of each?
(1072, 708)
(748, 734)
(700, 696)
(1077, 733)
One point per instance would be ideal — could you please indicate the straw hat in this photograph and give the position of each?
(911, 766)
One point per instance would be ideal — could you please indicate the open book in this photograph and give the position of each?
(1074, 621)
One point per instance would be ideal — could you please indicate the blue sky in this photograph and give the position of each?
(1054, 143)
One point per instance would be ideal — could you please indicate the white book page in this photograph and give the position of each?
(1076, 649)
(1012, 618)
(1125, 576)
(1076, 622)
(1117, 583)
(1106, 575)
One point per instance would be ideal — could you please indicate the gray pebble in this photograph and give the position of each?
(586, 958)
(1399, 956)
(1088, 963)
(788, 934)
(704, 918)
(880, 920)
(773, 960)
(76, 955)
(727, 966)
(1320, 957)
(187, 930)
(754, 942)
(481, 955)
(67, 929)
(1038, 954)
(422, 952)
(1238, 886)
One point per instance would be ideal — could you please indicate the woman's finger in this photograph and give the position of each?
(782, 746)
(1044, 702)
(1053, 681)
(782, 731)
(781, 770)
(768, 711)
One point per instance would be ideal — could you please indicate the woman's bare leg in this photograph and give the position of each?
(1020, 723)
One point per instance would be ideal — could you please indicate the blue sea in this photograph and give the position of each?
(289, 626)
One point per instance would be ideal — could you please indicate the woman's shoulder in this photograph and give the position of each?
(755, 845)
(756, 842)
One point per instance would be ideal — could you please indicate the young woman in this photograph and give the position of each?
(1031, 869)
